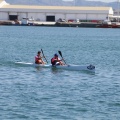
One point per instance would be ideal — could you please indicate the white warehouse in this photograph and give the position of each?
(52, 13)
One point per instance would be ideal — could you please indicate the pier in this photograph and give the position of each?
(52, 24)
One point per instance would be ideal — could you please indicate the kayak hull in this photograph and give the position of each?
(90, 68)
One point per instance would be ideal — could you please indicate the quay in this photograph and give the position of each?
(60, 16)
(52, 24)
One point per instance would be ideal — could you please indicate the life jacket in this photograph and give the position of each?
(53, 61)
(37, 59)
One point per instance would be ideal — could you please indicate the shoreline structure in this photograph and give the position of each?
(53, 24)
(62, 16)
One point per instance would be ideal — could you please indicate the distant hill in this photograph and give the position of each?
(114, 5)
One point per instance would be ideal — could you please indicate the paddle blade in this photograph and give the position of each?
(61, 56)
(60, 53)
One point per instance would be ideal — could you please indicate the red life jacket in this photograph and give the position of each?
(53, 61)
(37, 59)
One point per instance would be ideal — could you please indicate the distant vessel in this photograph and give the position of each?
(111, 24)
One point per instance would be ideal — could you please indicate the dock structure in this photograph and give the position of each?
(43, 14)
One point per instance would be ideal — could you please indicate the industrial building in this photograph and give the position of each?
(52, 13)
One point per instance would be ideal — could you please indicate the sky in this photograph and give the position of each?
(97, 0)
(104, 0)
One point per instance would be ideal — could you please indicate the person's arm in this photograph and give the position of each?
(40, 57)
(60, 61)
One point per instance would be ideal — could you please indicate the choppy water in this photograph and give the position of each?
(27, 93)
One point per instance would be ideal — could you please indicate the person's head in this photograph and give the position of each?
(56, 55)
(39, 52)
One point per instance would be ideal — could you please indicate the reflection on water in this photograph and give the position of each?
(55, 70)
(52, 69)
(38, 68)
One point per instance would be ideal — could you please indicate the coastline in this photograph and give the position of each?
(62, 24)
(53, 24)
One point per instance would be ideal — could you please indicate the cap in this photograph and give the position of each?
(56, 55)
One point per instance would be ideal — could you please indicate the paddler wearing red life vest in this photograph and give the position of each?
(38, 58)
(56, 60)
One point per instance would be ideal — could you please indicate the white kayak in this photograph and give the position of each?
(90, 68)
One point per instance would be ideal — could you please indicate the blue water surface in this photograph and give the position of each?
(29, 93)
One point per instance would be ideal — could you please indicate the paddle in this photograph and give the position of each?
(61, 56)
(44, 55)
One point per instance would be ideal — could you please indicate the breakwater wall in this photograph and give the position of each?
(54, 24)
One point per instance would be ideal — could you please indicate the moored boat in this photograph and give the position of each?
(109, 24)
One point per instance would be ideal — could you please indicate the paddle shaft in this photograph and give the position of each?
(44, 55)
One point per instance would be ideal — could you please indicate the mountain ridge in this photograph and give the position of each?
(114, 5)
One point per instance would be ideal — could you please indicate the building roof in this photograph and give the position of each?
(50, 9)
(55, 7)
(2, 3)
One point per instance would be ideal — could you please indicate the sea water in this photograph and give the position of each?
(29, 93)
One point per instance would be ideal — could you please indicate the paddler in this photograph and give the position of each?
(38, 58)
(56, 60)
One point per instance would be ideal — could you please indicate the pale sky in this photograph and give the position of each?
(104, 0)
(98, 0)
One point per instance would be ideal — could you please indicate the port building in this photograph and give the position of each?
(52, 13)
